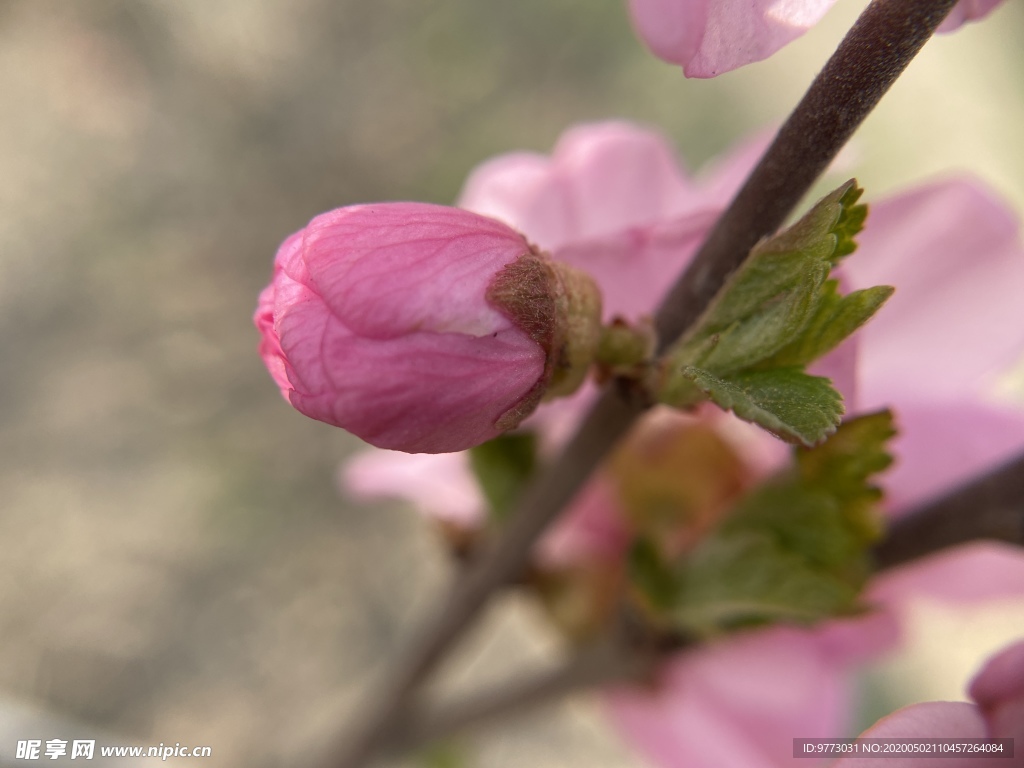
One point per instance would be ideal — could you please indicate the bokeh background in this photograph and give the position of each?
(178, 563)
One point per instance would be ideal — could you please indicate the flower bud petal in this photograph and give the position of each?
(380, 319)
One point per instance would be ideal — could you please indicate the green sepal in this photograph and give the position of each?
(789, 403)
(503, 466)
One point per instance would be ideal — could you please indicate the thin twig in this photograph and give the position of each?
(593, 667)
(990, 507)
(877, 49)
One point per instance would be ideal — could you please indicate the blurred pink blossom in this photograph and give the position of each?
(377, 320)
(711, 37)
(999, 692)
(612, 199)
(998, 713)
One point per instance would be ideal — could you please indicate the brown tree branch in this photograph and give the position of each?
(990, 507)
(874, 53)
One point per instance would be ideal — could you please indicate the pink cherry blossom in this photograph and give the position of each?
(953, 251)
(711, 37)
(998, 691)
(377, 321)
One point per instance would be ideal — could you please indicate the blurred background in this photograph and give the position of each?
(178, 564)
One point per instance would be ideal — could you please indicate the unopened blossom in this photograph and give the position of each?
(421, 328)
(612, 199)
(711, 37)
(997, 713)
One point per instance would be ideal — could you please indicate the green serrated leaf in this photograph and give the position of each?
(778, 312)
(787, 402)
(846, 462)
(835, 318)
(746, 579)
(807, 521)
(503, 466)
(754, 286)
(775, 325)
(795, 548)
(825, 229)
(854, 453)
(851, 221)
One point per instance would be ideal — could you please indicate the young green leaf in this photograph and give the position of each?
(778, 322)
(787, 402)
(794, 549)
(851, 220)
(835, 318)
(777, 314)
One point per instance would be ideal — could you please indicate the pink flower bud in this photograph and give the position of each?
(418, 327)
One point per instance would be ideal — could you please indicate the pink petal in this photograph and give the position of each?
(968, 573)
(710, 37)
(453, 373)
(592, 529)
(967, 10)
(944, 444)
(439, 485)
(523, 190)
(300, 321)
(936, 719)
(956, 320)
(737, 703)
(636, 267)
(270, 346)
(385, 270)
(618, 176)
(721, 178)
(858, 639)
(999, 691)
(601, 178)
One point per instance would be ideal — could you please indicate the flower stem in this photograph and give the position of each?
(874, 53)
